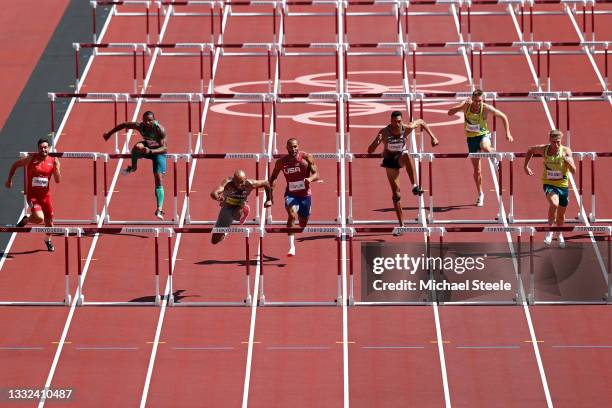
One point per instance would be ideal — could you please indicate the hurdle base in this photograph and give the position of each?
(119, 303)
(384, 222)
(80, 299)
(70, 222)
(35, 303)
(424, 303)
(319, 222)
(570, 302)
(243, 303)
(513, 302)
(496, 221)
(140, 222)
(299, 304)
(543, 221)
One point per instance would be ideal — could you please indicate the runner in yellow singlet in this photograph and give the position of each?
(477, 132)
(558, 163)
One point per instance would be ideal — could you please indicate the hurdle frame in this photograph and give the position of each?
(68, 155)
(66, 232)
(606, 298)
(261, 298)
(80, 296)
(246, 301)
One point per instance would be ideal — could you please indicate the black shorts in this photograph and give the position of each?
(391, 162)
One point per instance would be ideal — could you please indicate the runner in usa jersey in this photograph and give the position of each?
(300, 170)
(394, 138)
(38, 168)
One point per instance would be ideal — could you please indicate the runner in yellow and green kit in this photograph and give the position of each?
(477, 132)
(558, 163)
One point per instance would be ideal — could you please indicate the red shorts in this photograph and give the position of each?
(41, 203)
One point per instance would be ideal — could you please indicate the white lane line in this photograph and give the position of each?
(95, 239)
(21, 348)
(177, 242)
(440, 341)
(272, 129)
(343, 85)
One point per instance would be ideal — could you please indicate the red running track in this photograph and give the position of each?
(269, 356)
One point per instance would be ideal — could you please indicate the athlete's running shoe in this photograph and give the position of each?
(561, 241)
(480, 200)
(22, 222)
(416, 190)
(159, 214)
(49, 245)
(548, 238)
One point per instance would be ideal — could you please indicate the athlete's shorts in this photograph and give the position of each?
(391, 162)
(303, 204)
(474, 142)
(561, 192)
(227, 215)
(41, 203)
(159, 163)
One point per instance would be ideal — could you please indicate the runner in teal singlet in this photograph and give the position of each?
(153, 147)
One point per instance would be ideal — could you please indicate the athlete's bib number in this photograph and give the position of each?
(473, 128)
(395, 147)
(297, 185)
(554, 174)
(40, 182)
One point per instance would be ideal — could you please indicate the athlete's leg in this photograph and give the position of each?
(291, 208)
(159, 171)
(553, 206)
(407, 162)
(393, 177)
(137, 151)
(477, 174)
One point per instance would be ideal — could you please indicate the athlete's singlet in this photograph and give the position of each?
(39, 173)
(475, 124)
(554, 173)
(295, 171)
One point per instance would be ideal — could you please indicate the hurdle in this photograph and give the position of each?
(45, 230)
(256, 156)
(581, 156)
(592, 214)
(175, 216)
(189, 99)
(121, 231)
(351, 232)
(70, 155)
(606, 297)
(262, 301)
(247, 300)
(338, 158)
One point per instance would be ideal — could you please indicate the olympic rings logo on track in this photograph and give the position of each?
(326, 115)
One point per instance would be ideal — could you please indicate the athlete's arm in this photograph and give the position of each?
(121, 126)
(217, 193)
(459, 107)
(530, 152)
(57, 174)
(163, 148)
(569, 160)
(278, 166)
(377, 140)
(421, 123)
(266, 186)
(312, 169)
(503, 118)
(19, 163)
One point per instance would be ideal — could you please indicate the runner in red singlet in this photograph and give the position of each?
(38, 169)
(300, 171)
